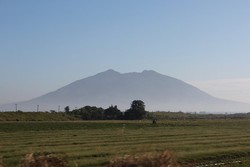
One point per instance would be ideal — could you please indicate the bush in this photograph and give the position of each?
(1, 163)
(164, 159)
(43, 160)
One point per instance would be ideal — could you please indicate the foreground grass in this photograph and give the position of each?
(94, 143)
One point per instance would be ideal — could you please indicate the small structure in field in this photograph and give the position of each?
(154, 121)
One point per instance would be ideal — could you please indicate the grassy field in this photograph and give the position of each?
(95, 143)
(35, 116)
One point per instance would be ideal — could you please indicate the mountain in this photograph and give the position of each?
(159, 92)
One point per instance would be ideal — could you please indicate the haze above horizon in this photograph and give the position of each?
(45, 45)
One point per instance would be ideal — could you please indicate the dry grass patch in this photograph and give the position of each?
(1, 163)
(165, 159)
(43, 160)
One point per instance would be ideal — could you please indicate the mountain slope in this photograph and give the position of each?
(159, 92)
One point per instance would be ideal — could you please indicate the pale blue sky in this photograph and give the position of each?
(47, 44)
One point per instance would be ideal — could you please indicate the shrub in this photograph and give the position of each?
(43, 160)
(164, 159)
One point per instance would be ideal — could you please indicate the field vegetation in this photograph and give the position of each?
(193, 142)
(35, 116)
(92, 136)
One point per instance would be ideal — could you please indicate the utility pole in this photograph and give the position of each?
(58, 108)
(37, 108)
(16, 107)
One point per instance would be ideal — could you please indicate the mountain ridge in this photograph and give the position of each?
(158, 91)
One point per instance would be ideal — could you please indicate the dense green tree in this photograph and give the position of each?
(136, 111)
(112, 113)
(67, 109)
(138, 105)
(88, 113)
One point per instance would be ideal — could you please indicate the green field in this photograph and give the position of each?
(94, 143)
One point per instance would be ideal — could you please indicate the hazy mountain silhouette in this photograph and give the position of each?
(159, 92)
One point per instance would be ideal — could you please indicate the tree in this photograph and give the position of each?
(66, 109)
(88, 113)
(138, 105)
(136, 111)
(112, 113)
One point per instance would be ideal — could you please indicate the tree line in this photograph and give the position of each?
(135, 112)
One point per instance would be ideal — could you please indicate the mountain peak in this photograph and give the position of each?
(109, 72)
(149, 72)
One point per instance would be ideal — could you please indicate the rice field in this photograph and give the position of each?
(218, 142)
